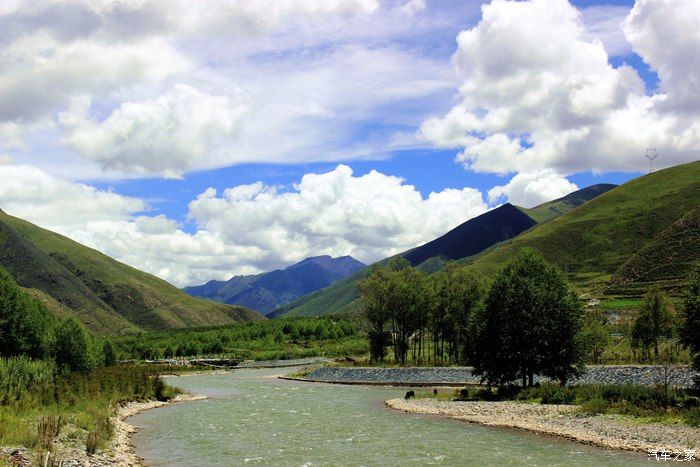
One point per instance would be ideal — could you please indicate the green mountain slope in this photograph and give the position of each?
(558, 207)
(472, 238)
(106, 295)
(668, 257)
(598, 237)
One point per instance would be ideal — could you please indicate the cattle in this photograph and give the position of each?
(434, 392)
(410, 394)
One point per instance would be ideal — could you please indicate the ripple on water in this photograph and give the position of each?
(256, 419)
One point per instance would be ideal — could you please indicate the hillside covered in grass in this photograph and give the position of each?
(107, 296)
(640, 232)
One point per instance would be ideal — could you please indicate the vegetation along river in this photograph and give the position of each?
(253, 417)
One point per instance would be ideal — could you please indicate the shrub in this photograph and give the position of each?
(47, 428)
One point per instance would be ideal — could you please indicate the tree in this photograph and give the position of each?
(25, 324)
(530, 324)
(72, 346)
(459, 295)
(690, 328)
(654, 321)
(595, 333)
(408, 300)
(110, 356)
(374, 310)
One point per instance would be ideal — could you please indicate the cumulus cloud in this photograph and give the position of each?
(538, 91)
(247, 228)
(167, 135)
(530, 189)
(336, 213)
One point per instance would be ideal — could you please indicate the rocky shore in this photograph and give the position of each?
(460, 376)
(66, 452)
(608, 431)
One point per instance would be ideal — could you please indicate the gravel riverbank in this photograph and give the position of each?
(66, 452)
(609, 431)
(460, 376)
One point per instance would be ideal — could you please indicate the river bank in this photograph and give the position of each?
(120, 451)
(608, 431)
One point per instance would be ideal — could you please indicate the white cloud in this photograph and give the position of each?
(538, 91)
(336, 213)
(249, 228)
(38, 74)
(167, 135)
(530, 189)
(314, 72)
(55, 201)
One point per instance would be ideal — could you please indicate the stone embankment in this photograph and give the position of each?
(460, 376)
(284, 363)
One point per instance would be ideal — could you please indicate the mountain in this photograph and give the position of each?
(107, 296)
(268, 291)
(643, 231)
(474, 236)
(558, 207)
(465, 241)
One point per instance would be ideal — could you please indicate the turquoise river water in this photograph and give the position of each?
(254, 418)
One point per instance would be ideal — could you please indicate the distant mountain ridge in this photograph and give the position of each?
(268, 291)
(475, 235)
(107, 296)
(468, 240)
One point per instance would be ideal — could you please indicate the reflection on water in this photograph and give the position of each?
(253, 417)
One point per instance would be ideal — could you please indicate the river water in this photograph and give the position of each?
(253, 417)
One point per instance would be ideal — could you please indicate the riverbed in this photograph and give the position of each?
(252, 417)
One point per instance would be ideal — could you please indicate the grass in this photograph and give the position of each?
(599, 236)
(107, 296)
(37, 402)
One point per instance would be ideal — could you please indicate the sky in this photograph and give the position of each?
(201, 140)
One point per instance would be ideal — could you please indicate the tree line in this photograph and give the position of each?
(27, 328)
(528, 321)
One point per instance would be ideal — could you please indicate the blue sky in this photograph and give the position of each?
(241, 136)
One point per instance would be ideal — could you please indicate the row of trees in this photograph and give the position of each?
(28, 328)
(527, 321)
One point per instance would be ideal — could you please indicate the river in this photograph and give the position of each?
(253, 417)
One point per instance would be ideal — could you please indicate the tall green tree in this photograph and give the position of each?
(374, 310)
(72, 346)
(459, 295)
(654, 321)
(409, 304)
(690, 328)
(530, 324)
(25, 324)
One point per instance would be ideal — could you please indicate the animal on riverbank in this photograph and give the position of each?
(434, 392)
(410, 394)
